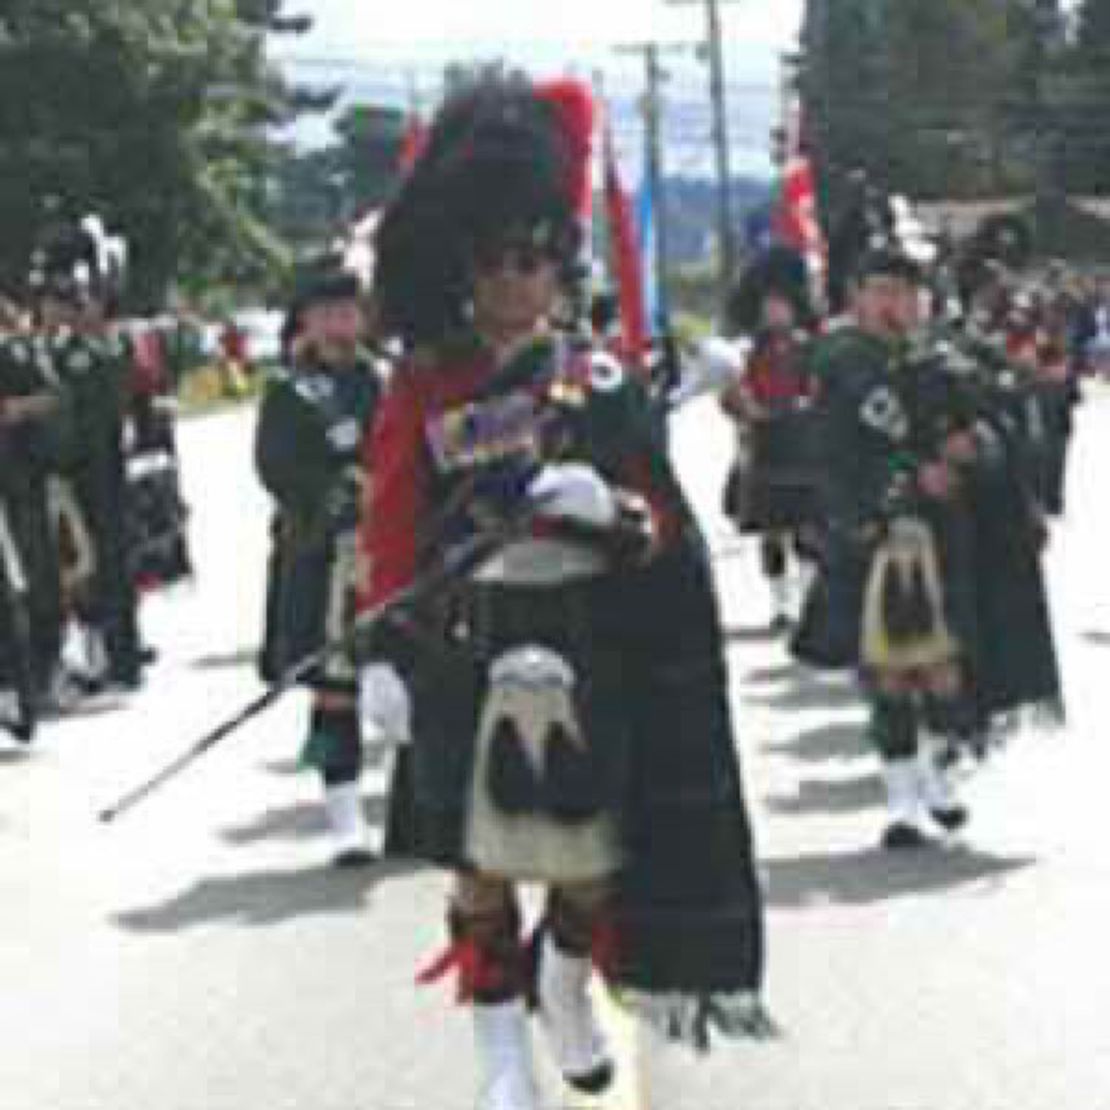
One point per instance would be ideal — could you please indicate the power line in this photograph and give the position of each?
(725, 230)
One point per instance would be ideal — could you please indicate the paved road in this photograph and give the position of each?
(198, 957)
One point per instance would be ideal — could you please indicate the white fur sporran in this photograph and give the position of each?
(908, 551)
(533, 688)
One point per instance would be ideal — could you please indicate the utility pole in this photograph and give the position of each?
(726, 233)
(655, 76)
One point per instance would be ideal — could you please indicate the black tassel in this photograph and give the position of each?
(571, 785)
(896, 610)
(511, 780)
(922, 617)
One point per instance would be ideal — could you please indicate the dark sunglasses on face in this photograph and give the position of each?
(524, 257)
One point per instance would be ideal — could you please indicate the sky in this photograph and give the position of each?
(384, 52)
(373, 28)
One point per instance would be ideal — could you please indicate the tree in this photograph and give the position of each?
(931, 97)
(1093, 29)
(317, 192)
(368, 152)
(1083, 101)
(842, 83)
(155, 113)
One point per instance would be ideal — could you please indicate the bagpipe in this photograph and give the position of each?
(906, 624)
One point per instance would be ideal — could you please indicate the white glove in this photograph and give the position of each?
(714, 365)
(383, 703)
(574, 491)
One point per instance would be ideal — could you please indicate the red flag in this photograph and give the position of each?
(796, 219)
(625, 261)
(795, 222)
(412, 144)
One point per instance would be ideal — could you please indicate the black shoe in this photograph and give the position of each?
(511, 779)
(900, 835)
(595, 1082)
(781, 624)
(571, 786)
(952, 818)
(351, 858)
(23, 731)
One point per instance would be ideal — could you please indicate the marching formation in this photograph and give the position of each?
(482, 555)
(90, 512)
(912, 452)
(559, 702)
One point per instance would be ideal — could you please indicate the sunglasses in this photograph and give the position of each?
(523, 256)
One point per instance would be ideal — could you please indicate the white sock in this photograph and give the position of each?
(780, 597)
(501, 1035)
(567, 1011)
(343, 805)
(903, 799)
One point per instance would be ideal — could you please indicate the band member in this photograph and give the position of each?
(771, 492)
(568, 705)
(899, 433)
(35, 437)
(309, 457)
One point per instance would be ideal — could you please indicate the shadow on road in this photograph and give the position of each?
(830, 796)
(22, 754)
(243, 657)
(265, 897)
(845, 740)
(297, 822)
(759, 676)
(96, 705)
(755, 634)
(809, 693)
(867, 876)
(285, 767)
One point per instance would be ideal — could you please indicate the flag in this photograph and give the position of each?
(412, 143)
(655, 312)
(795, 223)
(625, 261)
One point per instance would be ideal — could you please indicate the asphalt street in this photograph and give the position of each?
(199, 955)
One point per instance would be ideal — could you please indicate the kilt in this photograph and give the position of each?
(309, 602)
(688, 906)
(778, 490)
(451, 690)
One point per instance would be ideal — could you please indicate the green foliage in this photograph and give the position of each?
(367, 154)
(1083, 102)
(318, 191)
(1094, 29)
(153, 113)
(949, 98)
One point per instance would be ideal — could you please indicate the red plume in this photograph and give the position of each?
(573, 102)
